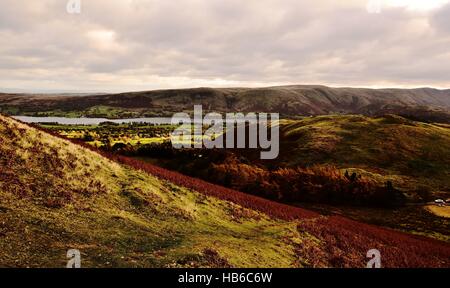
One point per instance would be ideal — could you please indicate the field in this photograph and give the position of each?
(441, 211)
(109, 134)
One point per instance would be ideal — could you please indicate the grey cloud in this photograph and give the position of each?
(245, 42)
(441, 19)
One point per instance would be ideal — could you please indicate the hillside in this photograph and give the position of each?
(411, 154)
(290, 101)
(56, 195)
(316, 154)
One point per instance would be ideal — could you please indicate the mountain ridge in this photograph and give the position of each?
(428, 104)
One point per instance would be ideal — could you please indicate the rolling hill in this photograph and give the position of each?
(56, 195)
(316, 154)
(413, 155)
(290, 101)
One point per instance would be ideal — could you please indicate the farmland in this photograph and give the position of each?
(109, 134)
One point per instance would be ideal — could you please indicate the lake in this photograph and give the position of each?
(91, 121)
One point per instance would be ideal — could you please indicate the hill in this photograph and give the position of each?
(290, 101)
(56, 195)
(411, 154)
(399, 165)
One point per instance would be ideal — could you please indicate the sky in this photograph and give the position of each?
(132, 45)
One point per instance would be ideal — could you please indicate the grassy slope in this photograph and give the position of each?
(122, 217)
(411, 154)
(118, 216)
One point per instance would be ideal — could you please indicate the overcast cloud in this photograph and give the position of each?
(123, 45)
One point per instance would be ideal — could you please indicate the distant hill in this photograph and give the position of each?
(425, 104)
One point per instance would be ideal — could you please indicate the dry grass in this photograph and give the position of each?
(137, 220)
(55, 195)
(441, 211)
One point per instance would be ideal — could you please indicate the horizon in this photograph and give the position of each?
(86, 93)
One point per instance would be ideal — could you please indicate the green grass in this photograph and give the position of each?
(57, 196)
(412, 155)
(99, 111)
(387, 148)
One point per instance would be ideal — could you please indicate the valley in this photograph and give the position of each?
(423, 104)
(165, 137)
(122, 212)
(377, 150)
(343, 184)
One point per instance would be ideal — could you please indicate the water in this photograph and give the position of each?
(91, 121)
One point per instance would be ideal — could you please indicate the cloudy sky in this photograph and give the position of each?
(124, 45)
